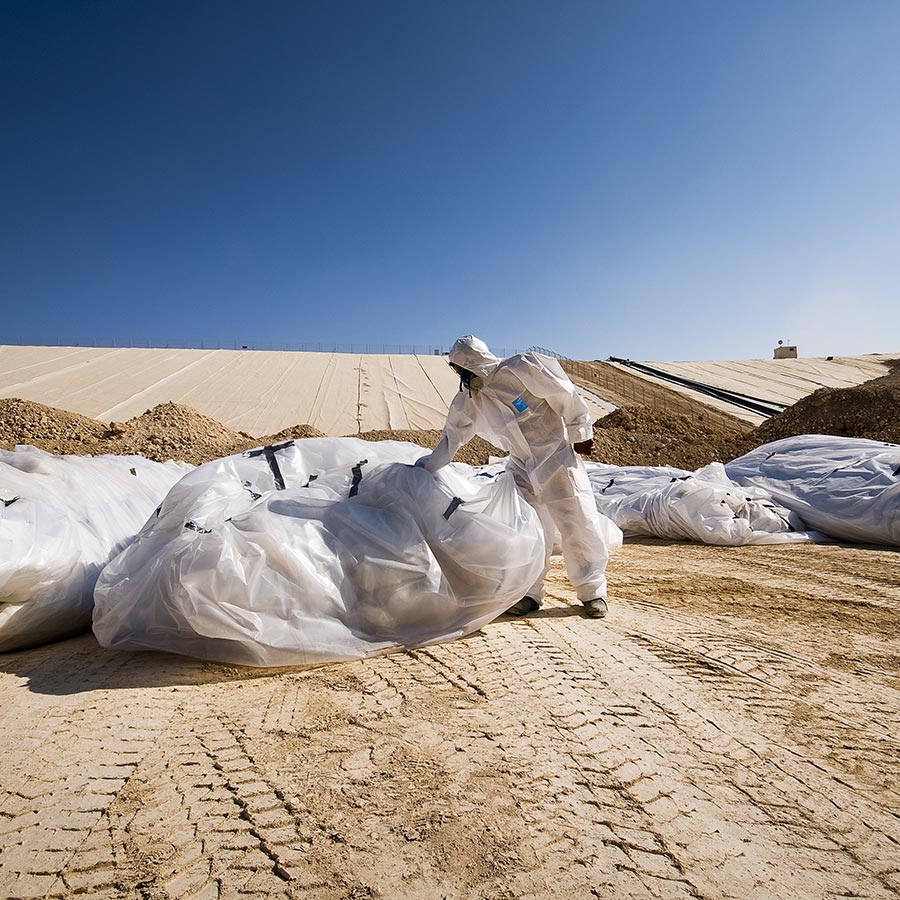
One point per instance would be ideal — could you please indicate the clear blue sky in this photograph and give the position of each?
(658, 180)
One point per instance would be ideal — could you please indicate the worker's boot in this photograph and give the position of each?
(524, 606)
(596, 608)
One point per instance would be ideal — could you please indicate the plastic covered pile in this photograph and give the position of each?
(848, 488)
(61, 519)
(319, 550)
(703, 506)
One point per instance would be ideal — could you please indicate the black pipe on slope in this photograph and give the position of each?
(745, 401)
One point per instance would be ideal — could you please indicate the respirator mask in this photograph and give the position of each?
(469, 380)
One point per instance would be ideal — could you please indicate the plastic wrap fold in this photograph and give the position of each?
(704, 506)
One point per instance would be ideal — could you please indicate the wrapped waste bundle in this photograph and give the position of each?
(703, 506)
(319, 550)
(61, 519)
(847, 488)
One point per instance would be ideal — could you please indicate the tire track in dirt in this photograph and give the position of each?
(82, 744)
(395, 800)
(709, 735)
(841, 703)
(199, 818)
(718, 736)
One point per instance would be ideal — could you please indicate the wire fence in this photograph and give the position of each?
(434, 349)
(622, 384)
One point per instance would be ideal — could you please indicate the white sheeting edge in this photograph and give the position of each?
(61, 519)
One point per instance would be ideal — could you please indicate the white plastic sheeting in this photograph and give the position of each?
(848, 488)
(703, 506)
(61, 519)
(612, 535)
(319, 550)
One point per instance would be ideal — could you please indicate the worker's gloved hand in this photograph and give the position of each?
(422, 460)
(584, 447)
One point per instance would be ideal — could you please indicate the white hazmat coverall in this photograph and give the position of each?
(527, 405)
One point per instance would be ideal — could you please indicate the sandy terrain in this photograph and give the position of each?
(731, 730)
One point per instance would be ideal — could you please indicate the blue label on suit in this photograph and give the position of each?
(520, 405)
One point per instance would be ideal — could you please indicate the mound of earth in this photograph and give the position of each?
(294, 433)
(638, 436)
(868, 410)
(476, 453)
(54, 430)
(174, 431)
(168, 431)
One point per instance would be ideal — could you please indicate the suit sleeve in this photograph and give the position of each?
(458, 430)
(545, 378)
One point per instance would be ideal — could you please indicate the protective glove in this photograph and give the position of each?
(422, 460)
(585, 448)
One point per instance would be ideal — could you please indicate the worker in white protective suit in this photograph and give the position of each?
(527, 405)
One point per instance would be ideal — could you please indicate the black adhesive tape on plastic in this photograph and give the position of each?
(269, 453)
(455, 503)
(357, 477)
(193, 526)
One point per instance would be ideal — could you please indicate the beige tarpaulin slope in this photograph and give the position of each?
(256, 391)
(259, 392)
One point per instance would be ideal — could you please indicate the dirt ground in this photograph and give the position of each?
(731, 730)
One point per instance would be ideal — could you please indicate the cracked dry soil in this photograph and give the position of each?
(730, 731)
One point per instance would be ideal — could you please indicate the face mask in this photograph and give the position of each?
(469, 381)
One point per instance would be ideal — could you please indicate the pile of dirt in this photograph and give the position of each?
(168, 431)
(638, 436)
(54, 430)
(174, 431)
(869, 410)
(294, 433)
(476, 453)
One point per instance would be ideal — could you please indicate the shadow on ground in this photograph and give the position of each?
(80, 665)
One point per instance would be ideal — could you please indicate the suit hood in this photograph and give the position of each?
(473, 354)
